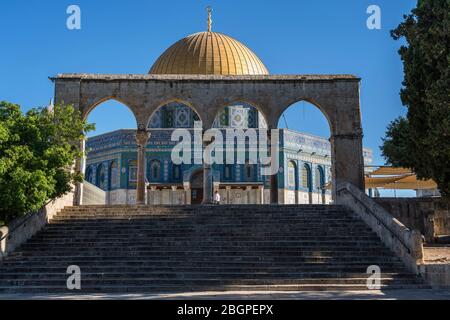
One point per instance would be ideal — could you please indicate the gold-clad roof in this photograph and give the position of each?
(209, 53)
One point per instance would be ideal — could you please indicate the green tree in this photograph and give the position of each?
(421, 140)
(37, 151)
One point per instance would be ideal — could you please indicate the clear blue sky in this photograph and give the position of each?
(291, 37)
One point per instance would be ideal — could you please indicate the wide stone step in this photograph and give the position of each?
(196, 221)
(145, 219)
(138, 273)
(220, 262)
(215, 222)
(217, 211)
(212, 214)
(181, 268)
(228, 238)
(214, 281)
(200, 220)
(200, 210)
(124, 228)
(222, 211)
(223, 236)
(171, 267)
(208, 229)
(204, 267)
(196, 236)
(207, 242)
(357, 252)
(214, 256)
(125, 232)
(140, 249)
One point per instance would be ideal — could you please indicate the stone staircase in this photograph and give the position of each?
(140, 249)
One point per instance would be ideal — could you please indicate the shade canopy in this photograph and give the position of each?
(411, 182)
(394, 179)
(379, 182)
(389, 171)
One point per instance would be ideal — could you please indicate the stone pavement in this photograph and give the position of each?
(402, 294)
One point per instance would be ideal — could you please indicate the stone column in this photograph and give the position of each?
(187, 194)
(261, 194)
(142, 137)
(228, 188)
(274, 177)
(207, 176)
(173, 195)
(153, 195)
(207, 184)
(248, 191)
(347, 160)
(274, 189)
(80, 166)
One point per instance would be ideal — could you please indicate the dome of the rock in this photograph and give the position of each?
(209, 53)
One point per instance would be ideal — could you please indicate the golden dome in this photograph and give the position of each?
(209, 53)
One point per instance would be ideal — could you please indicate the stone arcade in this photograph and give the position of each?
(213, 78)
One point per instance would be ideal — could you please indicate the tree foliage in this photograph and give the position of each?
(37, 151)
(421, 140)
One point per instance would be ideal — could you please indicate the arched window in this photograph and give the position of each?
(155, 170)
(291, 174)
(227, 171)
(90, 175)
(306, 177)
(132, 171)
(101, 183)
(320, 178)
(248, 171)
(114, 174)
(176, 172)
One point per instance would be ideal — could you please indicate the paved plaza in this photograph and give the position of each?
(249, 295)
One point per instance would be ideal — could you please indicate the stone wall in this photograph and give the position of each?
(431, 216)
(288, 197)
(237, 196)
(92, 194)
(23, 228)
(436, 275)
(406, 243)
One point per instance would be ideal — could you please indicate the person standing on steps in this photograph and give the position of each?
(216, 199)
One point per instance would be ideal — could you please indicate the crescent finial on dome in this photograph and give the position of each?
(209, 10)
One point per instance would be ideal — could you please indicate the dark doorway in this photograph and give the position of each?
(197, 187)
